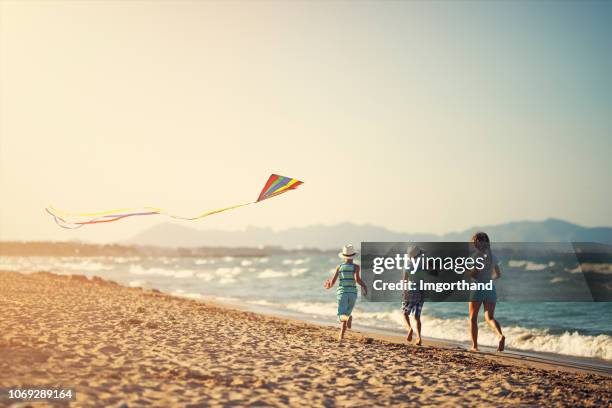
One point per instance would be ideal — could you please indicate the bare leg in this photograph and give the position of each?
(473, 308)
(349, 323)
(342, 331)
(490, 319)
(408, 327)
(418, 329)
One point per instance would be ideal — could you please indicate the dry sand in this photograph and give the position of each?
(119, 345)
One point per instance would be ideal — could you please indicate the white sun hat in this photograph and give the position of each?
(348, 252)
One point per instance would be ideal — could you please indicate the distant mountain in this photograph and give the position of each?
(334, 236)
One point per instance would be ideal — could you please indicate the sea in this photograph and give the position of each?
(292, 284)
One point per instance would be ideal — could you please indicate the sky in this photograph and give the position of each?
(416, 116)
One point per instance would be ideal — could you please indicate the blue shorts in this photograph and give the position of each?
(410, 307)
(346, 303)
(489, 296)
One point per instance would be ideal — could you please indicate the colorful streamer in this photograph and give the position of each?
(275, 185)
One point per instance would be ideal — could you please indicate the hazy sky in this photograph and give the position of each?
(420, 117)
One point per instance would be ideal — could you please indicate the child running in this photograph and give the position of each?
(346, 294)
(413, 299)
(491, 271)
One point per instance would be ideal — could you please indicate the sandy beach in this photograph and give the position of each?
(117, 345)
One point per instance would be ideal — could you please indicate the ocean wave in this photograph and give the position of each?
(603, 268)
(140, 284)
(206, 276)
(228, 275)
(60, 265)
(271, 273)
(125, 259)
(228, 272)
(201, 261)
(189, 295)
(263, 302)
(326, 309)
(295, 261)
(530, 266)
(521, 338)
(136, 269)
(85, 265)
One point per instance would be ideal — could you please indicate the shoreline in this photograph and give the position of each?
(117, 344)
(562, 362)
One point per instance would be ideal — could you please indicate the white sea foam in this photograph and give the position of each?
(183, 273)
(605, 268)
(271, 273)
(176, 273)
(229, 272)
(85, 265)
(13, 264)
(456, 330)
(263, 302)
(206, 276)
(228, 275)
(140, 284)
(325, 309)
(246, 262)
(528, 265)
(295, 261)
(225, 299)
(61, 265)
(190, 295)
(298, 271)
(124, 259)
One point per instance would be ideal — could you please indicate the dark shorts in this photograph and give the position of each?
(412, 307)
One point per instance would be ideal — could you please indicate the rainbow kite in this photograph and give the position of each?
(275, 185)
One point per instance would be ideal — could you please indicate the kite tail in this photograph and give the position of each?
(205, 214)
(275, 186)
(111, 216)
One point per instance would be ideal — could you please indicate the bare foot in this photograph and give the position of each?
(409, 338)
(502, 343)
(418, 341)
(475, 349)
(349, 322)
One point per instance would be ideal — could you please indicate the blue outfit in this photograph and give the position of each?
(346, 294)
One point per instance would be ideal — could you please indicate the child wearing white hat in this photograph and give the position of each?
(346, 294)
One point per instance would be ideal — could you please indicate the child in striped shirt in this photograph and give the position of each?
(348, 275)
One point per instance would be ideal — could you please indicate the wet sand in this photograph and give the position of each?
(119, 345)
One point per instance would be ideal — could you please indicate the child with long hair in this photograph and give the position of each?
(491, 271)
